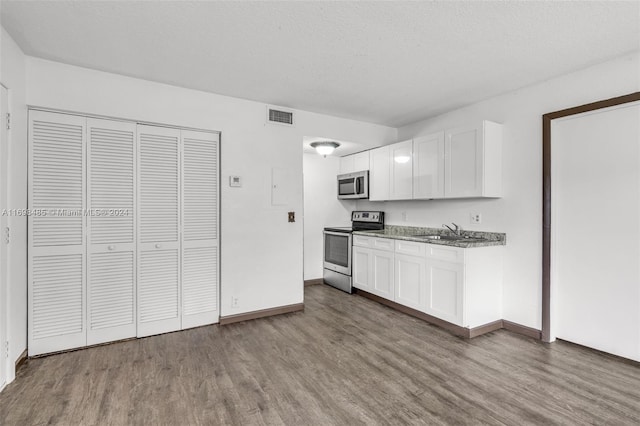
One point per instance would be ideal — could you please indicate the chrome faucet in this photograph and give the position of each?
(457, 229)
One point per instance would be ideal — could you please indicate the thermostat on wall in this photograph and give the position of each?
(235, 181)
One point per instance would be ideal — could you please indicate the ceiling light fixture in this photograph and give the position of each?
(325, 147)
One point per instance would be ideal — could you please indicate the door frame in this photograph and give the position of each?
(546, 194)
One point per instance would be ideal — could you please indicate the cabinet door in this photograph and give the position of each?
(111, 298)
(401, 185)
(200, 229)
(382, 273)
(379, 174)
(347, 164)
(361, 161)
(159, 304)
(428, 166)
(445, 285)
(464, 162)
(361, 268)
(56, 238)
(411, 281)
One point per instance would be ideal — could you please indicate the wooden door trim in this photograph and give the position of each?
(546, 194)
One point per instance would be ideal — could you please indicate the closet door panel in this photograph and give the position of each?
(111, 292)
(56, 239)
(159, 297)
(200, 228)
(111, 296)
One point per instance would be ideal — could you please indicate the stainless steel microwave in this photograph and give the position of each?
(353, 185)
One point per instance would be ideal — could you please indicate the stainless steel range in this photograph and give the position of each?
(337, 248)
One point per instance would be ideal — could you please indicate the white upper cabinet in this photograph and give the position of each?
(473, 161)
(401, 161)
(380, 174)
(347, 164)
(428, 166)
(361, 161)
(354, 162)
(464, 162)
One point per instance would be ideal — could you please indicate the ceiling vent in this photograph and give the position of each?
(279, 116)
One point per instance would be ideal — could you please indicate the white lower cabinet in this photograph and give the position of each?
(382, 273)
(445, 283)
(410, 279)
(361, 268)
(373, 271)
(458, 285)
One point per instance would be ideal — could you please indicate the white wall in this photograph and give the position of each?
(12, 76)
(261, 253)
(519, 212)
(321, 208)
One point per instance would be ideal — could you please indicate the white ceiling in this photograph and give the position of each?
(390, 63)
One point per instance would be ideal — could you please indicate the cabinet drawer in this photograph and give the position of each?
(449, 254)
(362, 241)
(383, 244)
(373, 242)
(411, 247)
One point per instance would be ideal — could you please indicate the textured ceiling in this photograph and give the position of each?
(390, 63)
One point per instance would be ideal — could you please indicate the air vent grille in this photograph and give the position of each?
(281, 117)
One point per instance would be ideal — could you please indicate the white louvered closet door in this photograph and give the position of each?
(111, 298)
(56, 232)
(159, 303)
(200, 228)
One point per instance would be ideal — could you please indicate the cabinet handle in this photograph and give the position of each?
(111, 247)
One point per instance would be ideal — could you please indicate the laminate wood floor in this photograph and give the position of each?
(345, 360)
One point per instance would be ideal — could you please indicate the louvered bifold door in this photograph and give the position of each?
(159, 303)
(200, 228)
(56, 246)
(111, 297)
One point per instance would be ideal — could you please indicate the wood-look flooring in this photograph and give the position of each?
(345, 360)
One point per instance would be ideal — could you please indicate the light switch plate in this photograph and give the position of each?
(235, 181)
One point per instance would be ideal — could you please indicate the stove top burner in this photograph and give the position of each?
(361, 221)
(346, 230)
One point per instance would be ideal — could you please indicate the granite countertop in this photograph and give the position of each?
(409, 233)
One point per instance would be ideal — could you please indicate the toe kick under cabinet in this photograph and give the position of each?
(462, 286)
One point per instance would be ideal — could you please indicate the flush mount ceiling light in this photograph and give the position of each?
(325, 147)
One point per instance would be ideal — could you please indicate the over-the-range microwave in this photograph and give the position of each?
(353, 185)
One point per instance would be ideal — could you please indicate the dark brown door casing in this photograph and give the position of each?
(546, 195)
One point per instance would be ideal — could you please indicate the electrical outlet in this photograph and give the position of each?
(404, 216)
(235, 303)
(476, 218)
